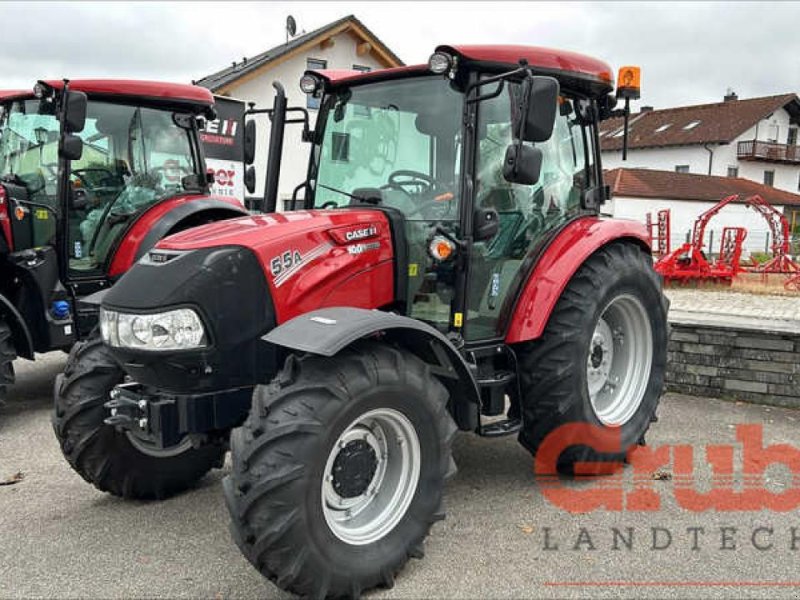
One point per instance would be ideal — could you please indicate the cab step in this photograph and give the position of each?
(500, 428)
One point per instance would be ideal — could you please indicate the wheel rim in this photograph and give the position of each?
(619, 360)
(146, 446)
(371, 476)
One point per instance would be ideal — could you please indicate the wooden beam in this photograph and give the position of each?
(364, 48)
(328, 42)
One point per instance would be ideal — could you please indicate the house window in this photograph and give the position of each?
(362, 68)
(314, 64)
(733, 171)
(664, 127)
(791, 139)
(769, 178)
(691, 125)
(681, 168)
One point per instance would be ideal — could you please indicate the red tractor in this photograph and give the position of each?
(445, 270)
(92, 174)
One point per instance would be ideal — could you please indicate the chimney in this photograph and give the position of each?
(645, 109)
(730, 96)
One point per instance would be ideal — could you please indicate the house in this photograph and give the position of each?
(755, 139)
(344, 44)
(637, 192)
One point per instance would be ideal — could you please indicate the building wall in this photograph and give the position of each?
(683, 214)
(774, 128)
(342, 55)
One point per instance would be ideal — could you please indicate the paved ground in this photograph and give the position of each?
(759, 306)
(61, 538)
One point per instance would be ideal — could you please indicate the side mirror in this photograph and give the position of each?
(75, 114)
(71, 147)
(250, 142)
(522, 164)
(485, 224)
(250, 179)
(537, 109)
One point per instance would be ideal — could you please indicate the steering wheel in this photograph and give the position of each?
(405, 177)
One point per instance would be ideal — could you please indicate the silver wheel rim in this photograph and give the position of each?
(619, 360)
(388, 489)
(149, 448)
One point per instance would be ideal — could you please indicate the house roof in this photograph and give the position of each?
(718, 123)
(669, 185)
(216, 82)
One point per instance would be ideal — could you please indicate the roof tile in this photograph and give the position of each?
(648, 183)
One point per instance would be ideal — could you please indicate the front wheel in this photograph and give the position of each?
(600, 361)
(116, 461)
(338, 472)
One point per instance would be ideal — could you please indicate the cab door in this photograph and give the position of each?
(527, 213)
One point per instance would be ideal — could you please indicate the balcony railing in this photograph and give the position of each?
(768, 151)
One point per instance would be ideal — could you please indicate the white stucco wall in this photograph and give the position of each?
(683, 214)
(342, 55)
(787, 177)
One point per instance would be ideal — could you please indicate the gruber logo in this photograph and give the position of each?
(735, 485)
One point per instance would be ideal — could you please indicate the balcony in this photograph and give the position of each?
(769, 152)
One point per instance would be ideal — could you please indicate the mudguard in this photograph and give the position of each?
(328, 331)
(23, 342)
(558, 263)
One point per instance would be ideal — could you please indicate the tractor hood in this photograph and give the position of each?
(246, 275)
(310, 258)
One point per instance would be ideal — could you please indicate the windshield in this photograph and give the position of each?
(400, 140)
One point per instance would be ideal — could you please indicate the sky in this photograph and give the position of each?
(690, 52)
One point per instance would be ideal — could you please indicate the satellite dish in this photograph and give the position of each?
(291, 26)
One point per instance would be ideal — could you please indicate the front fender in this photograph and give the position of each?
(330, 330)
(558, 263)
(163, 219)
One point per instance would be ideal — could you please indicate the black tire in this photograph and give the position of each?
(7, 357)
(274, 492)
(553, 369)
(104, 456)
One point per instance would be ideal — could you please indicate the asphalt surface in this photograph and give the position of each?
(59, 537)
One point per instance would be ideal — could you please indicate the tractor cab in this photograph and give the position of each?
(92, 174)
(484, 163)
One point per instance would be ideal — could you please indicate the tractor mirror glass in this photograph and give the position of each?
(250, 142)
(250, 179)
(486, 223)
(522, 164)
(538, 105)
(71, 147)
(75, 116)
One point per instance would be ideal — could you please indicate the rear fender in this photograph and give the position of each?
(558, 263)
(23, 342)
(165, 219)
(330, 330)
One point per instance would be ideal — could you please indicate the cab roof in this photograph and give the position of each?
(585, 72)
(154, 91)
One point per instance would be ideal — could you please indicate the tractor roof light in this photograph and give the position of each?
(310, 84)
(629, 83)
(440, 62)
(42, 90)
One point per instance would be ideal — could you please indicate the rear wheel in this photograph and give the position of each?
(115, 461)
(338, 471)
(600, 360)
(7, 357)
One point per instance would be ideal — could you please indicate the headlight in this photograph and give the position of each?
(179, 329)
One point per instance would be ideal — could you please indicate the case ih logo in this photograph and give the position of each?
(345, 235)
(221, 131)
(726, 489)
